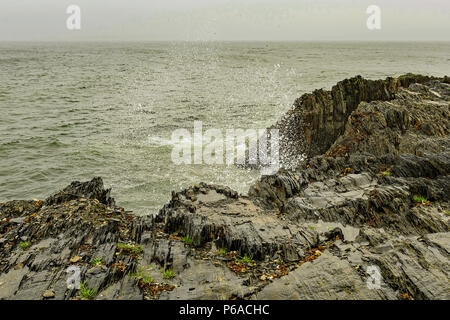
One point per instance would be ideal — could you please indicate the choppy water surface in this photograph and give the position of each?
(74, 111)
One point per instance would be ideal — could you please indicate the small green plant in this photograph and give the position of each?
(146, 279)
(222, 251)
(188, 240)
(447, 212)
(245, 259)
(168, 274)
(312, 227)
(97, 262)
(142, 276)
(135, 249)
(386, 173)
(420, 199)
(24, 245)
(87, 293)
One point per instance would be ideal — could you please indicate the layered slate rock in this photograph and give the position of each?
(416, 121)
(372, 193)
(42, 239)
(312, 282)
(208, 214)
(317, 119)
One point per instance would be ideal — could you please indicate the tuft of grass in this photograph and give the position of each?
(222, 251)
(187, 240)
(168, 274)
(24, 245)
(97, 262)
(87, 293)
(420, 199)
(386, 173)
(142, 276)
(135, 249)
(245, 259)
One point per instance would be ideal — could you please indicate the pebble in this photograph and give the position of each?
(75, 259)
(48, 294)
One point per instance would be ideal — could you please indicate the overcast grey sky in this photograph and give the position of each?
(207, 20)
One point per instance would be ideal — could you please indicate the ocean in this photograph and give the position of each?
(72, 111)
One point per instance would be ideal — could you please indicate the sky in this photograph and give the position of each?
(224, 20)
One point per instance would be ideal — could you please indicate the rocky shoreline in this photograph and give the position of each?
(373, 194)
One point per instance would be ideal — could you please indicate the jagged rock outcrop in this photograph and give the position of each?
(88, 190)
(415, 122)
(42, 239)
(317, 119)
(373, 194)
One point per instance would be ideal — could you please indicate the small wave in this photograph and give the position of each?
(160, 141)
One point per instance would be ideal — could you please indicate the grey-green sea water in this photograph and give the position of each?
(75, 111)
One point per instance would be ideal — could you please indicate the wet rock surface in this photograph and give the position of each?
(319, 118)
(373, 194)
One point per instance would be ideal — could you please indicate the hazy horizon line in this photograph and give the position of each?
(218, 41)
